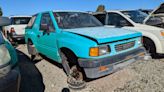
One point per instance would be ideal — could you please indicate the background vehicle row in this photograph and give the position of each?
(152, 36)
(16, 30)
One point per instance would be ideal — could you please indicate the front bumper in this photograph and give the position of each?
(111, 64)
(160, 47)
(11, 81)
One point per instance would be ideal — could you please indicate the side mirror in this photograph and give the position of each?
(4, 21)
(44, 27)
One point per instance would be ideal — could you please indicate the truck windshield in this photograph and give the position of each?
(20, 20)
(1, 39)
(69, 20)
(136, 15)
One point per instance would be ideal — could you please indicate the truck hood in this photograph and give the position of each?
(104, 34)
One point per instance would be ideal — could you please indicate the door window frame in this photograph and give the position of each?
(42, 15)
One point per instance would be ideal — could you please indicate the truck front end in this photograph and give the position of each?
(110, 56)
(100, 50)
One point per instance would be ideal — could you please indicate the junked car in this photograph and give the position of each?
(84, 47)
(15, 32)
(156, 18)
(153, 37)
(9, 71)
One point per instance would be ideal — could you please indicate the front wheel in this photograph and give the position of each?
(74, 73)
(33, 52)
(150, 47)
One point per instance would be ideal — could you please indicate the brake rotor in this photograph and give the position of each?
(75, 84)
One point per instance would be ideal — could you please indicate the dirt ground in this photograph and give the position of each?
(48, 76)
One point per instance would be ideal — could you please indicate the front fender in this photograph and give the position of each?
(79, 47)
(156, 40)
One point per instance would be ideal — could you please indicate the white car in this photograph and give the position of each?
(156, 18)
(153, 37)
(16, 30)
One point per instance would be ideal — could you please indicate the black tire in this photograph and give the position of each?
(36, 58)
(150, 46)
(33, 52)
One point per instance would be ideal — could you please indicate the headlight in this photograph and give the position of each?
(103, 50)
(162, 33)
(99, 51)
(4, 55)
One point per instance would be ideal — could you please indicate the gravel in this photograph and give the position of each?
(48, 76)
(150, 77)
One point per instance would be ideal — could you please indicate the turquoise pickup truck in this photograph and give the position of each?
(78, 41)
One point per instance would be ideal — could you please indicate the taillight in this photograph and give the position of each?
(12, 30)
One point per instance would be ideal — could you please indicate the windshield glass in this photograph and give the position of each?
(20, 20)
(1, 39)
(136, 16)
(69, 20)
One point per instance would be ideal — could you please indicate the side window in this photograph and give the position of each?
(31, 22)
(154, 20)
(46, 23)
(101, 18)
(115, 19)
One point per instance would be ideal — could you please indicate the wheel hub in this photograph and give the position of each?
(75, 80)
(75, 84)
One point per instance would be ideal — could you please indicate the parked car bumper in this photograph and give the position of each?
(15, 37)
(11, 81)
(95, 68)
(160, 49)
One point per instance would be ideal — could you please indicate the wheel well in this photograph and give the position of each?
(72, 58)
(152, 42)
(29, 40)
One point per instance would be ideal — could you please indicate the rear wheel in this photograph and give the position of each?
(33, 52)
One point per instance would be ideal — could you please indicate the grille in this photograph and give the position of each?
(124, 46)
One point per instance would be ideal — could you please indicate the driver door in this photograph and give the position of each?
(47, 37)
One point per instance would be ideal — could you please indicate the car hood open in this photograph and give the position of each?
(159, 10)
(104, 34)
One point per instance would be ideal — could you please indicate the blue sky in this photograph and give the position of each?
(30, 7)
